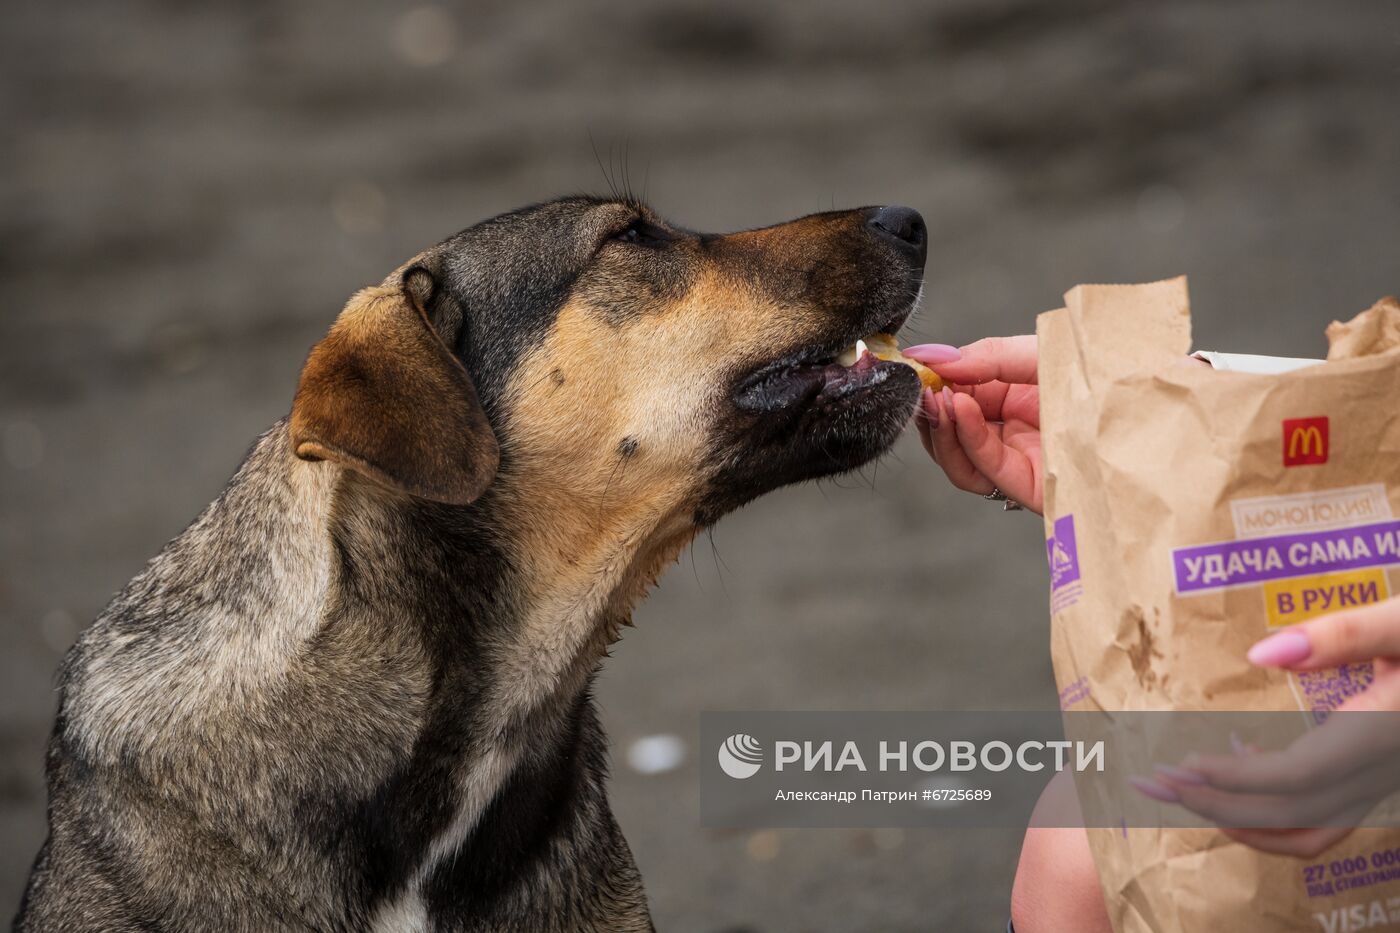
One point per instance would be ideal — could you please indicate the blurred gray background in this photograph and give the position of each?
(188, 192)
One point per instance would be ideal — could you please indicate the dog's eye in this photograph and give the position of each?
(641, 233)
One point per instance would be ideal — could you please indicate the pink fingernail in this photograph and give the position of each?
(931, 354)
(1280, 650)
(930, 407)
(1179, 775)
(948, 405)
(1154, 789)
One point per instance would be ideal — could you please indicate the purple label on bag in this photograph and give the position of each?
(1062, 553)
(1256, 560)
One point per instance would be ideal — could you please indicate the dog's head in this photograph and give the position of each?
(589, 351)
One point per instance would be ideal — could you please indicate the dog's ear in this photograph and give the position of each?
(382, 394)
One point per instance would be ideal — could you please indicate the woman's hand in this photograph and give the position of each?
(1330, 778)
(984, 428)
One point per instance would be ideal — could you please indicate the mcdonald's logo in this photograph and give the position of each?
(1305, 440)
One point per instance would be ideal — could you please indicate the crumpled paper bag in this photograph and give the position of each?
(1167, 485)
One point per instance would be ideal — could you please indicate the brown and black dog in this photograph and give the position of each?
(354, 694)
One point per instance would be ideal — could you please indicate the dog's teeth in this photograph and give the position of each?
(861, 349)
(851, 354)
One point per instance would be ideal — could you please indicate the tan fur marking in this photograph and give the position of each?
(596, 524)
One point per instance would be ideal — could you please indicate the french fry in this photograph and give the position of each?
(886, 347)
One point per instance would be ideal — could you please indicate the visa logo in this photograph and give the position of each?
(1358, 917)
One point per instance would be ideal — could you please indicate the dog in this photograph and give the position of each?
(354, 695)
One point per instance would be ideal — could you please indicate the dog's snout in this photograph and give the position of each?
(903, 226)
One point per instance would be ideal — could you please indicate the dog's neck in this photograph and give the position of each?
(528, 586)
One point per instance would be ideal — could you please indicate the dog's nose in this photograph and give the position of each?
(902, 225)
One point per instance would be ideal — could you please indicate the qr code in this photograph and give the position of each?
(1327, 690)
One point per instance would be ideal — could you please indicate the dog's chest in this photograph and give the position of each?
(407, 913)
(475, 784)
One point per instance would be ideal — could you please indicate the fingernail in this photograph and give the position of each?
(930, 408)
(1179, 775)
(931, 354)
(1154, 789)
(1280, 650)
(948, 405)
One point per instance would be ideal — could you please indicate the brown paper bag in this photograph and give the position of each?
(1182, 507)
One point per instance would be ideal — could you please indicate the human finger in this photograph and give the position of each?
(1359, 634)
(1008, 468)
(1006, 359)
(948, 453)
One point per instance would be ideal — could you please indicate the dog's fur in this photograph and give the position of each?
(354, 693)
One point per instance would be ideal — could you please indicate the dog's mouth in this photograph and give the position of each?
(827, 378)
